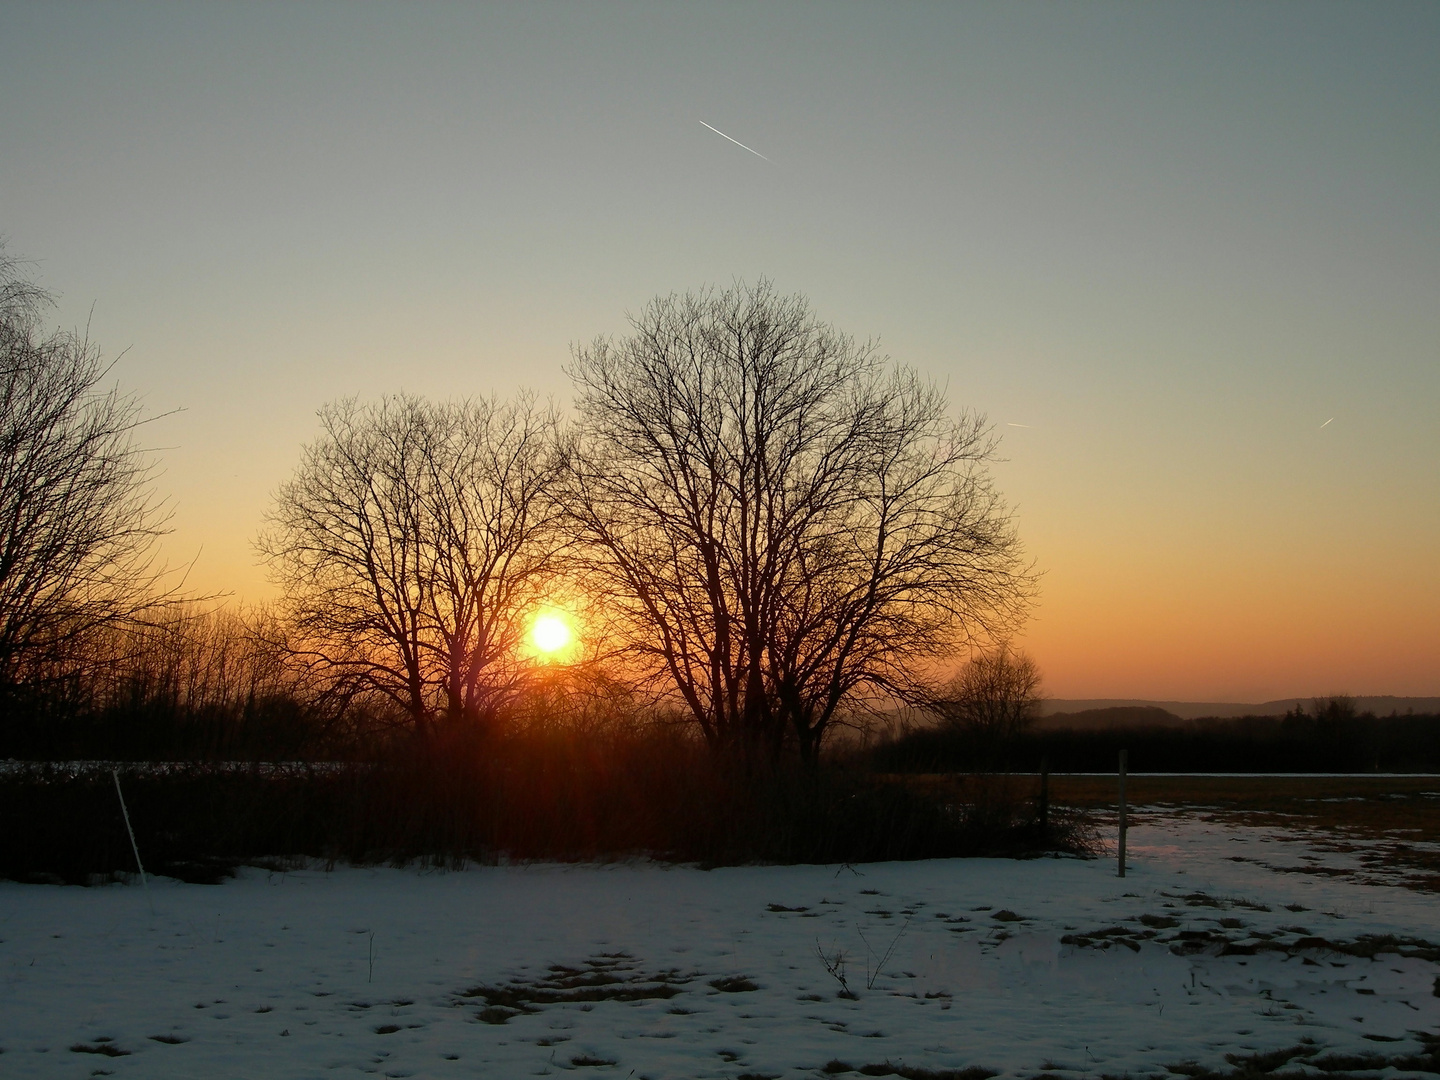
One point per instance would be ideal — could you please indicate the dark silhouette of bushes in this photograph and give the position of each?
(158, 727)
(190, 685)
(531, 797)
(1328, 740)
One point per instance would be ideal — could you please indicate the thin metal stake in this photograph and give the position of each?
(1123, 756)
(133, 846)
(1044, 797)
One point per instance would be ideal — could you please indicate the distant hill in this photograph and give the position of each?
(1192, 710)
(1116, 716)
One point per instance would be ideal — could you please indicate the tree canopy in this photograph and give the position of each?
(78, 520)
(782, 522)
(412, 544)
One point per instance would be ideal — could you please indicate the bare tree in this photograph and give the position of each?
(414, 542)
(783, 523)
(78, 521)
(199, 659)
(992, 699)
(217, 682)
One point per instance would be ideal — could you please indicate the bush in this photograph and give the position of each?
(531, 797)
(1296, 743)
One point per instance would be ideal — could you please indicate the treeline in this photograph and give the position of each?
(522, 797)
(1328, 738)
(200, 684)
(758, 524)
(230, 749)
(187, 684)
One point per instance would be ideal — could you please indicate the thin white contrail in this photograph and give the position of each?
(737, 142)
(1327, 421)
(1011, 423)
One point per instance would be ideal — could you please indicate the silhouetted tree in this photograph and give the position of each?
(992, 700)
(414, 542)
(1336, 709)
(783, 523)
(209, 683)
(78, 522)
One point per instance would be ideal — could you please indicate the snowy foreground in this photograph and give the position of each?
(676, 972)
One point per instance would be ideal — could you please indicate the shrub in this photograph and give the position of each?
(525, 797)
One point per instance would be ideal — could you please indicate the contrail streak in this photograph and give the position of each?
(1011, 423)
(1327, 421)
(737, 142)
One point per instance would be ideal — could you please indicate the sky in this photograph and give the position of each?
(1185, 257)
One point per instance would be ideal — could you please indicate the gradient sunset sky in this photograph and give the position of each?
(1186, 257)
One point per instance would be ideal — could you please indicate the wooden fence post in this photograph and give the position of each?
(1123, 756)
(1044, 796)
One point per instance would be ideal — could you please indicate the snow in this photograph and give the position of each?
(310, 973)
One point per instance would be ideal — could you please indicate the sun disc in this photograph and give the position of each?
(550, 633)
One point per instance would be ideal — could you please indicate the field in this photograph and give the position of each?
(1374, 829)
(1251, 932)
(1387, 827)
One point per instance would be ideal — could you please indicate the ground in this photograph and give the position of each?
(1232, 934)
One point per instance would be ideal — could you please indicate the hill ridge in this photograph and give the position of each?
(1380, 705)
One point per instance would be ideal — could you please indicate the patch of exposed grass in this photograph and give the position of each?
(104, 1048)
(606, 977)
(1288, 1063)
(1219, 943)
(908, 1072)
(733, 984)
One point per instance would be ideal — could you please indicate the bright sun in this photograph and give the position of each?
(550, 633)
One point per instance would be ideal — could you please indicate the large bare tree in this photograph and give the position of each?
(78, 521)
(784, 524)
(413, 544)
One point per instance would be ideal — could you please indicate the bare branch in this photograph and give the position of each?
(413, 542)
(78, 521)
(780, 520)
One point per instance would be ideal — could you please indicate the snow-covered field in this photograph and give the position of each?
(657, 971)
